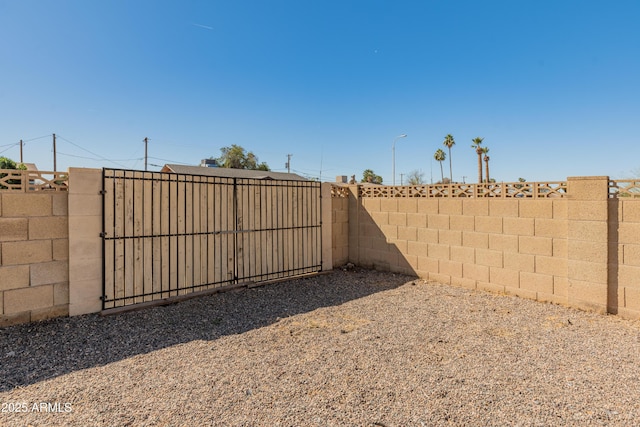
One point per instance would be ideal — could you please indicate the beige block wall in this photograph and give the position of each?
(85, 242)
(34, 280)
(51, 251)
(587, 244)
(624, 257)
(513, 246)
(340, 230)
(327, 227)
(582, 250)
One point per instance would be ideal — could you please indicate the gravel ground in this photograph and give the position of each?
(351, 348)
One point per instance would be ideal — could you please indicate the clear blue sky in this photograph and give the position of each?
(553, 86)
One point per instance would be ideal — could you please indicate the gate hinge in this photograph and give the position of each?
(103, 192)
(103, 234)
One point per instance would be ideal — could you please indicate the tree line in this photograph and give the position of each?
(417, 178)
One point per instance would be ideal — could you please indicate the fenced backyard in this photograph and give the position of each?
(88, 240)
(374, 346)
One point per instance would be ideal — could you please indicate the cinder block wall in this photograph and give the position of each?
(34, 256)
(582, 250)
(503, 245)
(624, 262)
(340, 229)
(85, 243)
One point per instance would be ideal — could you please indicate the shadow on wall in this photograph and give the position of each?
(379, 249)
(35, 352)
(613, 299)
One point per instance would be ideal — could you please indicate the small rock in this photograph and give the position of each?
(11, 354)
(348, 266)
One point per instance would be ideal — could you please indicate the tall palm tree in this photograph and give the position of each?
(476, 144)
(485, 150)
(440, 156)
(449, 142)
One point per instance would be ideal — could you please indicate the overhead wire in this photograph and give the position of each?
(95, 158)
(12, 144)
(9, 147)
(90, 152)
(170, 161)
(39, 137)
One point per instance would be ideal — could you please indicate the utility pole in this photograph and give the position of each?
(21, 160)
(401, 182)
(54, 153)
(146, 142)
(289, 162)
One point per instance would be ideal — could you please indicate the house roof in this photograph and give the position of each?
(231, 173)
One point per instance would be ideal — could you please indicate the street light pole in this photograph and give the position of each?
(393, 153)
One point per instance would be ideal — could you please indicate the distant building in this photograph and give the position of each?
(231, 173)
(208, 163)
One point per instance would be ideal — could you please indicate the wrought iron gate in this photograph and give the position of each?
(166, 235)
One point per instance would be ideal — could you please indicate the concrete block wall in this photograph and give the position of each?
(515, 246)
(624, 259)
(340, 230)
(85, 242)
(34, 256)
(582, 250)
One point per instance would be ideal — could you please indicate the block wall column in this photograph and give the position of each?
(587, 243)
(327, 233)
(85, 243)
(354, 224)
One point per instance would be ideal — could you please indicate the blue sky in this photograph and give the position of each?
(553, 86)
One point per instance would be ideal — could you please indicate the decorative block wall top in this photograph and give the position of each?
(30, 180)
(534, 190)
(624, 188)
(339, 191)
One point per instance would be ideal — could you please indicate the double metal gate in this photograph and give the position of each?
(166, 235)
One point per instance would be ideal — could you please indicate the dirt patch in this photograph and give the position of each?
(349, 348)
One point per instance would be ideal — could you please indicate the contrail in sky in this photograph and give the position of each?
(206, 27)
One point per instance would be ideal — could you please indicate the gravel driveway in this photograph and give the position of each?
(350, 348)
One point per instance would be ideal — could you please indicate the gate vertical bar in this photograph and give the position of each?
(319, 232)
(235, 229)
(104, 240)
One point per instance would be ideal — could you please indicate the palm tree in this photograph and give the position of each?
(449, 142)
(485, 150)
(476, 144)
(440, 156)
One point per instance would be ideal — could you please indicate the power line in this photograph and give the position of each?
(308, 175)
(96, 159)
(12, 144)
(91, 152)
(39, 137)
(7, 149)
(170, 161)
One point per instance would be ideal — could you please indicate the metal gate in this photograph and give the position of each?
(166, 235)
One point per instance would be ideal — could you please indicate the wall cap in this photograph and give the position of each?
(587, 178)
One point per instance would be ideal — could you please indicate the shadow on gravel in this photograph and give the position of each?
(40, 351)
